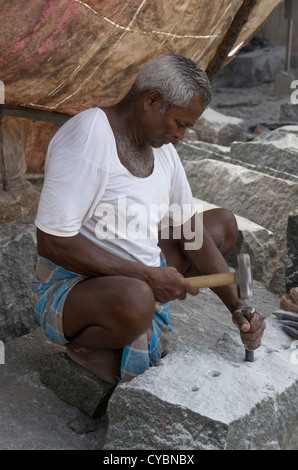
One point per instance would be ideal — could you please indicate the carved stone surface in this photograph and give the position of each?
(204, 396)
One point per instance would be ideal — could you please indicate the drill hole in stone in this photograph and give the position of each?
(195, 388)
(214, 373)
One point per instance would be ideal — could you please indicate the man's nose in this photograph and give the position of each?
(179, 134)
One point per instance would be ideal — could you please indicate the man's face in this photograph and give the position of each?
(170, 126)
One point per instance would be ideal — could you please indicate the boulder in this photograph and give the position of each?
(18, 257)
(255, 68)
(253, 195)
(219, 129)
(203, 395)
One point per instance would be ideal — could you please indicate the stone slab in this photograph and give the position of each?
(75, 385)
(203, 395)
(276, 149)
(201, 150)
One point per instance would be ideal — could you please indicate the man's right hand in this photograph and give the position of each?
(168, 284)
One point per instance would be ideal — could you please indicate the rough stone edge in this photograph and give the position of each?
(196, 432)
(282, 409)
(75, 385)
(162, 421)
(203, 150)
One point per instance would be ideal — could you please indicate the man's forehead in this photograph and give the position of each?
(190, 114)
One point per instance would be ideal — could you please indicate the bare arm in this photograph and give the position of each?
(206, 258)
(79, 255)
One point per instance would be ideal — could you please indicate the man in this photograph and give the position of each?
(107, 271)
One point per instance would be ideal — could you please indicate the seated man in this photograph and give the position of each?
(107, 271)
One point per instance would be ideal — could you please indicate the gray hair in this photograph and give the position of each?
(177, 77)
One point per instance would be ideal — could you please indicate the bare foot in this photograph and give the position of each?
(104, 364)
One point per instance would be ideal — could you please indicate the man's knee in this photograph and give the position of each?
(137, 305)
(230, 229)
(222, 226)
(230, 223)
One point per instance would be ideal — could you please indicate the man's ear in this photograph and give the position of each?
(153, 99)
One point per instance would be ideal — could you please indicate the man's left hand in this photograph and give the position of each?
(250, 332)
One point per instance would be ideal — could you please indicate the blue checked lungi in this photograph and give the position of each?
(50, 289)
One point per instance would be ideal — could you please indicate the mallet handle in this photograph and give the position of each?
(213, 280)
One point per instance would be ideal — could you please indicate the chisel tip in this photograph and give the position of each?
(249, 355)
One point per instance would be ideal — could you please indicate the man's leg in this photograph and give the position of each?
(221, 225)
(101, 316)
